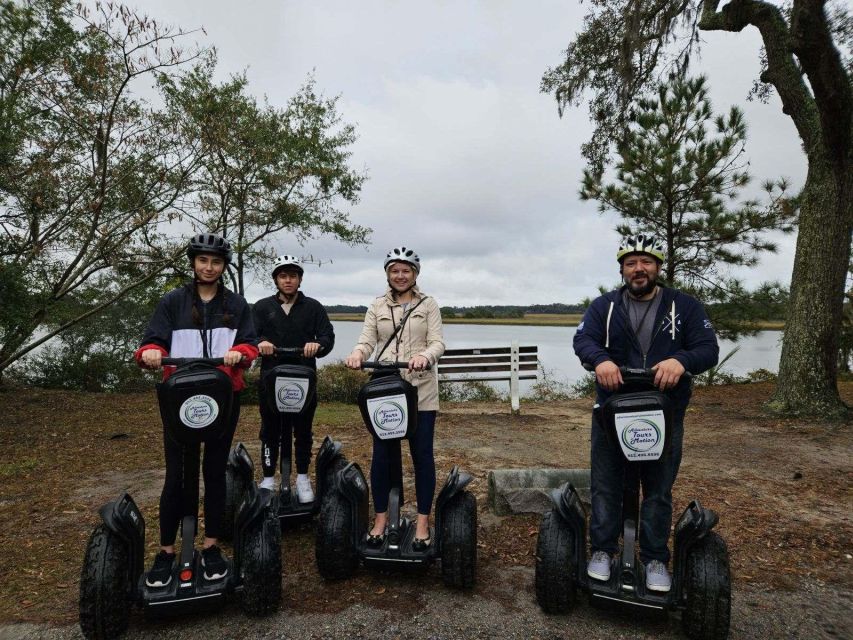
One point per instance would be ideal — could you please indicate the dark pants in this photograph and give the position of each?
(280, 430)
(656, 479)
(420, 446)
(172, 508)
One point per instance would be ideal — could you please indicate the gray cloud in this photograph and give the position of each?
(468, 163)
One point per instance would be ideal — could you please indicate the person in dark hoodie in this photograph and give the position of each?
(200, 320)
(290, 319)
(642, 325)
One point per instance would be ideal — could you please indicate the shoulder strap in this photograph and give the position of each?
(399, 327)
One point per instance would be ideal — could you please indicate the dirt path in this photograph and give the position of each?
(782, 487)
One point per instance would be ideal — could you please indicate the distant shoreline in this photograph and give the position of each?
(532, 319)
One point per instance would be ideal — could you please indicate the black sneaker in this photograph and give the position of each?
(161, 573)
(214, 563)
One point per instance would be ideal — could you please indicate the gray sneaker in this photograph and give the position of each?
(599, 566)
(657, 577)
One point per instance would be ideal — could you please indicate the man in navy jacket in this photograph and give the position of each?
(641, 325)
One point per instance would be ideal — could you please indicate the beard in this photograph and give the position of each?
(639, 290)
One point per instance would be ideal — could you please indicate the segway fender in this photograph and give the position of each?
(694, 524)
(124, 518)
(254, 503)
(329, 450)
(240, 460)
(351, 484)
(456, 481)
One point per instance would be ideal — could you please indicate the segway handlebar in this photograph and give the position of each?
(631, 374)
(177, 362)
(284, 351)
(371, 364)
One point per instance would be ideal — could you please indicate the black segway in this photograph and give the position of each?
(288, 389)
(389, 408)
(195, 403)
(637, 420)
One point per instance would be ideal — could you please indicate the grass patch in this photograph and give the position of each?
(336, 414)
(17, 467)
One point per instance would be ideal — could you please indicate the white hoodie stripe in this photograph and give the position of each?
(607, 336)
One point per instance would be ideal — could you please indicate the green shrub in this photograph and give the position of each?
(473, 390)
(583, 388)
(249, 395)
(338, 383)
(547, 389)
(62, 367)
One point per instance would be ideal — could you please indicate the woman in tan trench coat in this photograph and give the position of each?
(420, 343)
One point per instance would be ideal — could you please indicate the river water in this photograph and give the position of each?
(555, 346)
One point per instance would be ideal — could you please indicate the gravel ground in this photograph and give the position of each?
(812, 611)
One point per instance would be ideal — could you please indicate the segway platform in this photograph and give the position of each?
(389, 407)
(637, 424)
(195, 407)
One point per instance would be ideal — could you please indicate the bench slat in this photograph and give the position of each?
(445, 370)
(453, 360)
(487, 350)
(521, 376)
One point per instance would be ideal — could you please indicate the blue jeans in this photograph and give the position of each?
(423, 460)
(607, 475)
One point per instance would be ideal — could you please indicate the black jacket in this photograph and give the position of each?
(306, 322)
(172, 330)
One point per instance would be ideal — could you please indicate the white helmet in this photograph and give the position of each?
(286, 261)
(402, 254)
(640, 243)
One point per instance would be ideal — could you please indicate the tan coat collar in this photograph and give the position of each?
(389, 295)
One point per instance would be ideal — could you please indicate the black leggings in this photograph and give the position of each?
(172, 508)
(280, 430)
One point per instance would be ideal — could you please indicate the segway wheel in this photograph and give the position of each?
(235, 490)
(708, 590)
(555, 565)
(337, 557)
(459, 541)
(105, 588)
(261, 567)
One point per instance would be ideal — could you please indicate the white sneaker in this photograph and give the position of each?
(268, 483)
(304, 492)
(657, 577)
(598, 567)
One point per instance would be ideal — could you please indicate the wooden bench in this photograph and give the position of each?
(491, 364)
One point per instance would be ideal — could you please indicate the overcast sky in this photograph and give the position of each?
(468, 163)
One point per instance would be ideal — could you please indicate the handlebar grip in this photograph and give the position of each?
(371, 364)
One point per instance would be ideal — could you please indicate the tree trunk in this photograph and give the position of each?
(808, 367)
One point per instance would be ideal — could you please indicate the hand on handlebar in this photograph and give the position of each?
(418, 363)
(266, 348)
(667, 373)
(310, 349)
(151, 358)
(608, 375)
(354, 359)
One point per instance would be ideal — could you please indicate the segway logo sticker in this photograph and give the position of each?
(389, 416)
(199, 411)
(290, 394)
(641, 434)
